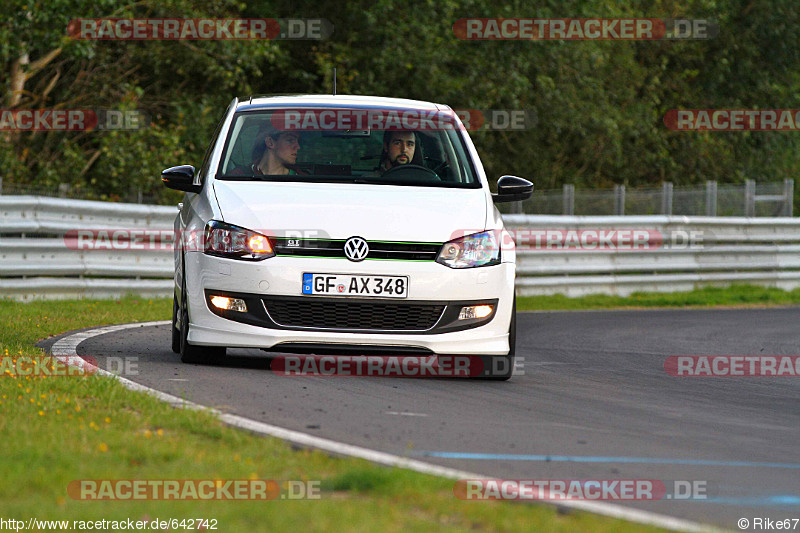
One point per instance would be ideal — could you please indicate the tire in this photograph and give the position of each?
(501, 367)
(176, 333)
(191, 354)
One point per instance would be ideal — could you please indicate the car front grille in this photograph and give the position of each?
(339, 314)
(398, 251)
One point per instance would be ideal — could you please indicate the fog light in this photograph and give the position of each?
(475, 311)
(229, 304)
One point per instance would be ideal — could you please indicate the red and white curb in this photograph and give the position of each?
(65, 350)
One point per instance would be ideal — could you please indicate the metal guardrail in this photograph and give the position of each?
(28, 214)
(681, 253)
(37, 263)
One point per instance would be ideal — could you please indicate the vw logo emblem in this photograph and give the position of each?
(356, 249)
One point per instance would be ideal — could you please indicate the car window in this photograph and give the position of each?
(268, 146)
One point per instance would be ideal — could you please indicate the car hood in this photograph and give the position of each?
(343, 210)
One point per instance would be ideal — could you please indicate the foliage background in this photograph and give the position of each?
(600, 104)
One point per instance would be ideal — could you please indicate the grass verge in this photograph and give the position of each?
(733, 296)
(59, 429)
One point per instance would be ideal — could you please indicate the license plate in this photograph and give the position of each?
(355, 285)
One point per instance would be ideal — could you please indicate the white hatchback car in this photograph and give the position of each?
(343, 224)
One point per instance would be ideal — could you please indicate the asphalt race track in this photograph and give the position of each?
(592, 401)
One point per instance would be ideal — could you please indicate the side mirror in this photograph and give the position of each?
(180, 178)
(512, 189)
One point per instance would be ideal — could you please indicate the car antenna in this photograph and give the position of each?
(334, 81)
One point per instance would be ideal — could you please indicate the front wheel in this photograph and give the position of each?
(176, 332)
(200, 355)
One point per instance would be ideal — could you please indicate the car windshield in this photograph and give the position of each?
(375, 146)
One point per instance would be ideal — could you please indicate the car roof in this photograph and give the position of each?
(327, 100)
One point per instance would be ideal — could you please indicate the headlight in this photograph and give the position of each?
(225, 240)
(479, 249)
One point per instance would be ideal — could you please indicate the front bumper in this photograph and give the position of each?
(280, 278)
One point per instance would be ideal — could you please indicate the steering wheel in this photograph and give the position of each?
(400, 168)
(438, 165)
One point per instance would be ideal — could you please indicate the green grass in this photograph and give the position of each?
(735, 295)
(58, 429)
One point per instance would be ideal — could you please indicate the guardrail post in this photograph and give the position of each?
(666, 198)
(569, 199)
(788, 197)
(619, 199)
(750, 198)
(711, 198)
(63, 190)
(1, 186)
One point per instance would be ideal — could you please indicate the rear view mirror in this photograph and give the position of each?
(512, 189)
(180, 178)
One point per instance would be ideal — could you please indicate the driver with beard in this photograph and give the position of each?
(399, 148)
